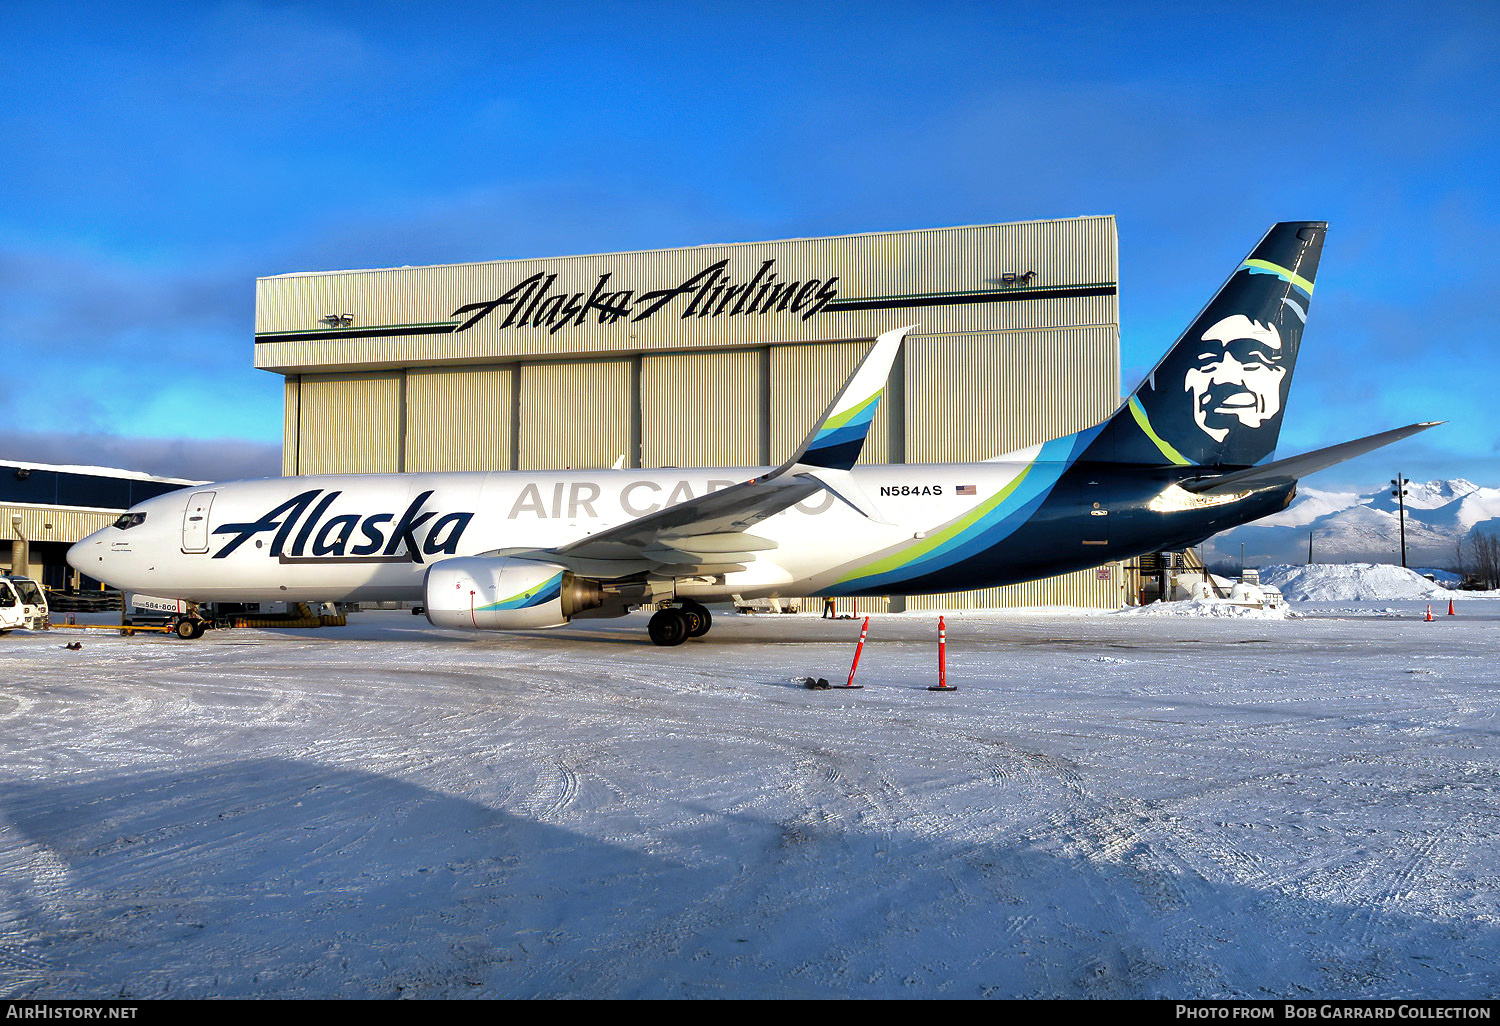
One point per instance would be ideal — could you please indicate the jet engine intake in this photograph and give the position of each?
(501, 593)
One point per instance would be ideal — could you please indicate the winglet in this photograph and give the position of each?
(822, 461)
(839, 437)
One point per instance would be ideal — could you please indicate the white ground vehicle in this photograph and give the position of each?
(22, 604)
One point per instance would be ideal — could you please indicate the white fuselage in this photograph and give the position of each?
(350, 537)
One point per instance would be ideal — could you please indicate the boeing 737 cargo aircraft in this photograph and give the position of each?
(1183, 458)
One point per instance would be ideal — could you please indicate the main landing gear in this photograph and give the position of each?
(672, 625)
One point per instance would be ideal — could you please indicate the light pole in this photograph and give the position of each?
(1399, 491)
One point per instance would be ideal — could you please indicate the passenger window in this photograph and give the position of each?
(7, 597)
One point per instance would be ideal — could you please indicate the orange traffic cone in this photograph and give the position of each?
(1429, 612)
(1450, 607)
(857, 650)
(942, 684)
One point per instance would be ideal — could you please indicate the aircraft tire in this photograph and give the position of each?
(668, 627)
(185, 630)
(699, 619)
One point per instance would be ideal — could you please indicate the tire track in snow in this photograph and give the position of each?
(556, 795)
(1394, 889)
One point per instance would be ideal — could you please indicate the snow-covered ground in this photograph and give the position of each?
(1111, 805)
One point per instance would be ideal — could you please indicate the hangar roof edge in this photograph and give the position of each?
(701, 245)
(129, 475)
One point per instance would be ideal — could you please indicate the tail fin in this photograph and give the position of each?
(1217, 397)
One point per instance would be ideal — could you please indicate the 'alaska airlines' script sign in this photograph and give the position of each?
(712, 292)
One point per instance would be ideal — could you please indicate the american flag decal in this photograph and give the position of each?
(966, 490)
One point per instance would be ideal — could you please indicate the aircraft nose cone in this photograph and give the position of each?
(85, 556)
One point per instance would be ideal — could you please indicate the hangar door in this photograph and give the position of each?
(348, 424)
(703, 409)
(576, 414)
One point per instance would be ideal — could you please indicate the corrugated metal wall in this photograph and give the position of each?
(291, 419)
(977, 395)
(1101, 588)
(388, 309)
(42, 524)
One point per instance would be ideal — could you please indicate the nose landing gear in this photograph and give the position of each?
(673, 625)
(189, 629)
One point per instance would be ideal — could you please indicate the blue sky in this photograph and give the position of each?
(157, 158)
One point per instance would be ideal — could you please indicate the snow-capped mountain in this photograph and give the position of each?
(1348, 527)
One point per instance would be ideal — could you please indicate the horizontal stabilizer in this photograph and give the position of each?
(1298, 467)
(843, 485)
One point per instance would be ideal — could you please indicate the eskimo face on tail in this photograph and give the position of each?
(1238, 377)
(1218, 396)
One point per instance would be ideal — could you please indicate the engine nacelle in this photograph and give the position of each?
(499, 593)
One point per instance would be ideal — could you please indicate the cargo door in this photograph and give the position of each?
(195, 522)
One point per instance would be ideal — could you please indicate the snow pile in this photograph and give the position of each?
(1349, 582)
(1208, 607)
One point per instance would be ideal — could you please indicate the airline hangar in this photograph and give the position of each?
(706, 356)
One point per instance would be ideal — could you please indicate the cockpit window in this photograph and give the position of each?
(129, 520)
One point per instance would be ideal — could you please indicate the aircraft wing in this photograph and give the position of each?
(707, 535)
(1296, 467)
